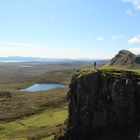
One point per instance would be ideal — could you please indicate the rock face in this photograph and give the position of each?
(123, 58)
(103, 106)
(137, 60)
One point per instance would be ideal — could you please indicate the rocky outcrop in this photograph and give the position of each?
(137, 60)
(123, 58)
(103, 105)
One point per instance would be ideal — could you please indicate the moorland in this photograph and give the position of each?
(34, 115)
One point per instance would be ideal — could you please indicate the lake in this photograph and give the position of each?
(42, 87)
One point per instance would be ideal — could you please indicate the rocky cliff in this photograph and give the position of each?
(137, 60)
(103, 105)
(123, 58)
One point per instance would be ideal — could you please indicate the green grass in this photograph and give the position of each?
(23, 104)
(31, 115)
(62, 77)
(36, 126)
(34, 115)
(112, 68)
(47, 117)
(108, 69)
(48, 138)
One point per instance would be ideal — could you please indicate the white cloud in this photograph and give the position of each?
(135, 40)
(100, 39)
(135, 50)
(135, 3)
(17, 49)
(21, 49)
(117, 37)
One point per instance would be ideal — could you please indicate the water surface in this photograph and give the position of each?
(42, 87)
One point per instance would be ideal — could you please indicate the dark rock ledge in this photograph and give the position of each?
(103, 105)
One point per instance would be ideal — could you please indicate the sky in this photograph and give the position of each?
(69, 28)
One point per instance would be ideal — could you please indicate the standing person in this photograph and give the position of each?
(94, 65)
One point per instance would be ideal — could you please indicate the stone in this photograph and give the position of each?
(103, 106)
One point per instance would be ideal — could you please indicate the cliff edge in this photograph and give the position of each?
(103, 105)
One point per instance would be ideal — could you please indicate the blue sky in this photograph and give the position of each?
(69, 28)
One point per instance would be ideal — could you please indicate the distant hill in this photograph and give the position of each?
(125, 58)
(31, 59)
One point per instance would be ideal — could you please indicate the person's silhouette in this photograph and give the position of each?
(94, 65)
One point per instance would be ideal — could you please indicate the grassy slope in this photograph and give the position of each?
(135, 69)
(21, 107)
(25, 104)
(37, 114)
(36, 126)
(118, 68)
(63, 77)
(32, 115)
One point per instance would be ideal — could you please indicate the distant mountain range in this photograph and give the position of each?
(31, 59)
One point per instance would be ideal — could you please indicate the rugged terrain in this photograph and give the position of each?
(103, 105)
(33, 115)
(125, 59)
(38, 115)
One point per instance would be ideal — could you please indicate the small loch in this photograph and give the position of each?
(43, 87)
